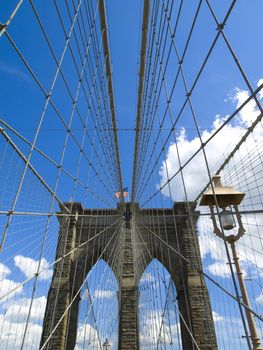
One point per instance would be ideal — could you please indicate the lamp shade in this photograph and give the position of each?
(225, 195)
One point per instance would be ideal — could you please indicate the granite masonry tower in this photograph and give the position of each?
(177, 227)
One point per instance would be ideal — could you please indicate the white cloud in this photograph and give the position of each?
(13, 322)
(18, 311)
(98, 294)
(156, 329)
(196, 177)
(14, 71)
(104, 294)
(219, 268)
(195, 173)
(6, 285)
(260, 82)
(248, 248)
(4, 271)
(147, 277)
(29, 266)
(86, 336)
(259, 299)
(12, 335)
(217, 317)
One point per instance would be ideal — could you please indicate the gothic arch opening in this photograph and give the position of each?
(159, 324)
(98, 313)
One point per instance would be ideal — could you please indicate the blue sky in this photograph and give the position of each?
(219, 78)
(21, 105)
(123, 19)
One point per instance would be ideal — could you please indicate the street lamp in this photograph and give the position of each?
(227, 198)
(106, 345)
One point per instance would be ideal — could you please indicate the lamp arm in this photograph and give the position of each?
(216, 228)
(241, 229)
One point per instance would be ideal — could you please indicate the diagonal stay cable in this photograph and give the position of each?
(57, 260)
(48, 99)
(260, 317)
(77, 293)
(147, 249)
(30, 166)
(4, 26)
(256, 91)
(48, 95)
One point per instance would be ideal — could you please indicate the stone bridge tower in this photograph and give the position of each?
(174, 226)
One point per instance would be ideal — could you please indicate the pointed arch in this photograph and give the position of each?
(98, 308)
(158, 309)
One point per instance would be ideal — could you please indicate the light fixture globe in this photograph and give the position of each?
(227, 219)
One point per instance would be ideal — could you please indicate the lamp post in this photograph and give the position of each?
(106, 345)
(227, 198)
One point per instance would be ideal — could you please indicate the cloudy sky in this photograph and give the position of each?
(220, 91)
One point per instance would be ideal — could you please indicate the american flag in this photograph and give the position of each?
(124, 193)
